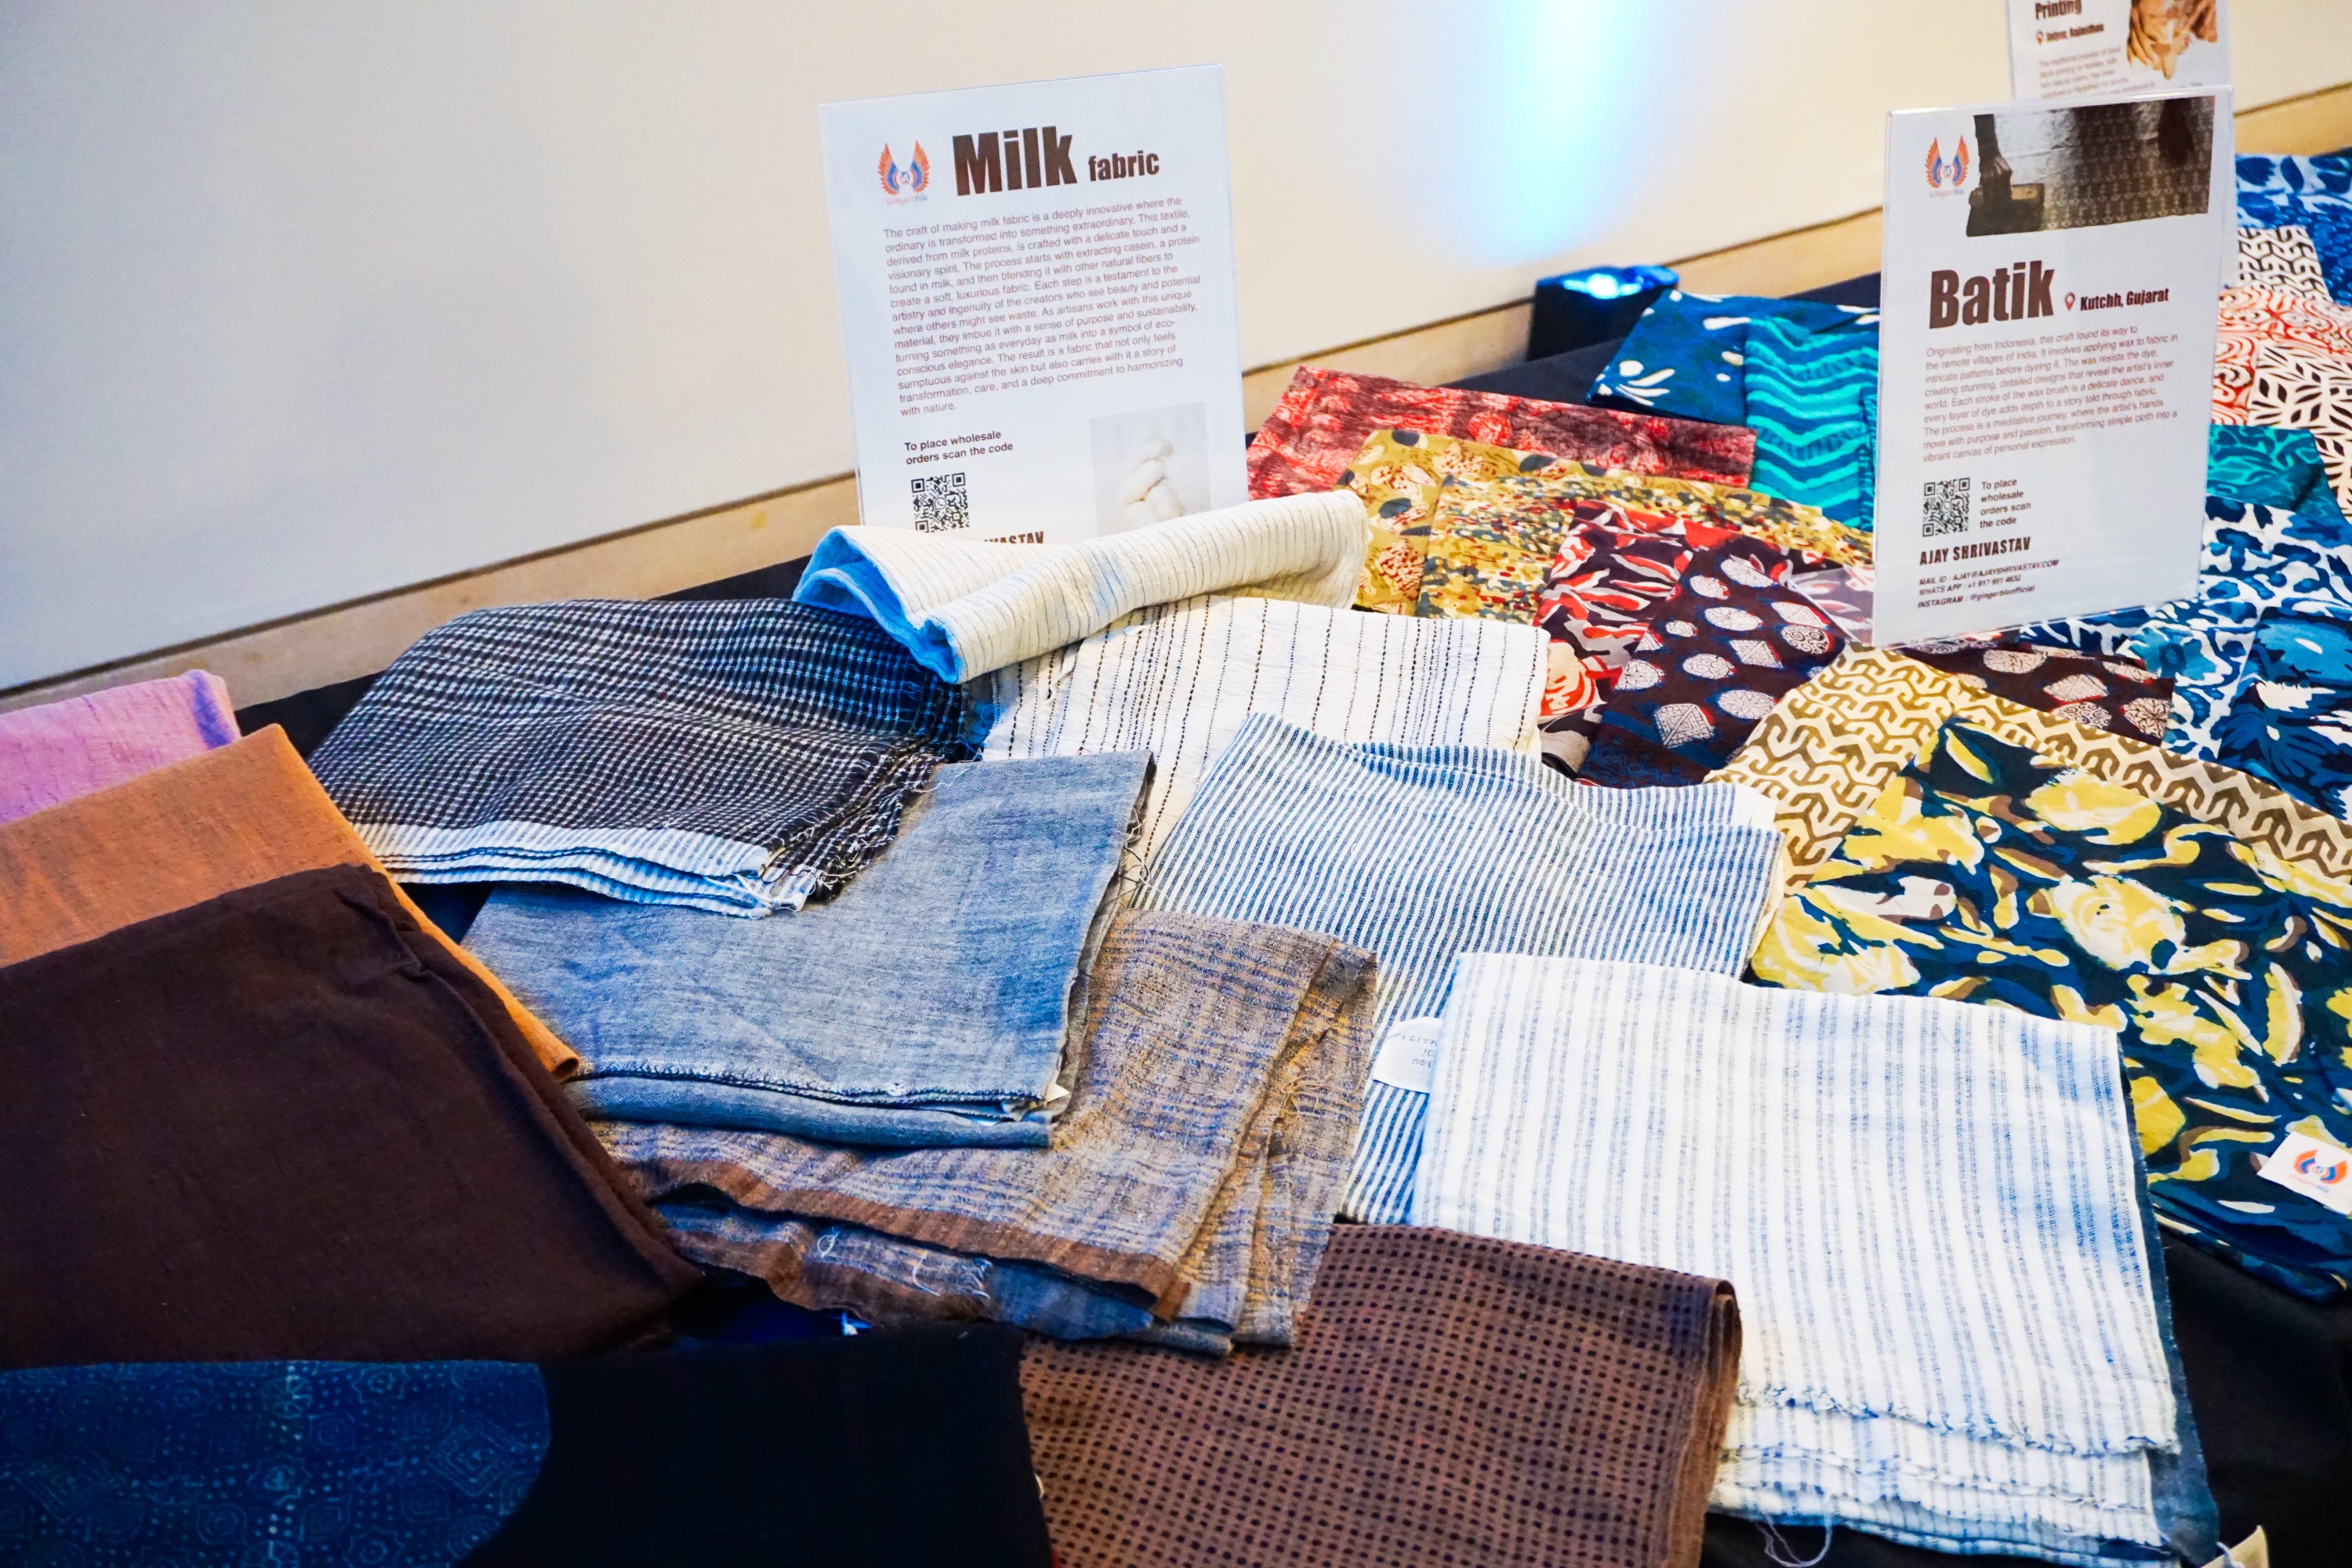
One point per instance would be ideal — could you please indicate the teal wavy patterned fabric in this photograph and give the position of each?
(2262, 465)
(231, 1464)
(1685, 356)
(1812, 400)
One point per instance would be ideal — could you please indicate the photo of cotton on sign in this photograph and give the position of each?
(1150, 465)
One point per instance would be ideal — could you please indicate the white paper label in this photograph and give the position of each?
(2317, 1169)
(1408, 1054)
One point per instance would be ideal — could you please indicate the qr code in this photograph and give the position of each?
(1944, 507)
(940, 503)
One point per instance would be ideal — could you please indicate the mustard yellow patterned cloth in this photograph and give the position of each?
(1398, 475)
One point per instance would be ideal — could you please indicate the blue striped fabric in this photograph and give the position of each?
(1419, 853)
(1812, 400)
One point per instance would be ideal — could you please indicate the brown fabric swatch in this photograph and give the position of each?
(246, 814)
(1449, 1399)
(282, 1124)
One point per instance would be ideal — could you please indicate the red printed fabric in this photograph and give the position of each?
(2251, 320)
(1323, 420)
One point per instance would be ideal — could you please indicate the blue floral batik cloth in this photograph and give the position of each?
(1687, 354)
(2314, 193)
(1986, 872)
(2264, 466)
(1813, 401)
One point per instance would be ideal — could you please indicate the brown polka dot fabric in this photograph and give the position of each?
(1449, 1400)
(2120, 697)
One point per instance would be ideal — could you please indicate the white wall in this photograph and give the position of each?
(302, 302)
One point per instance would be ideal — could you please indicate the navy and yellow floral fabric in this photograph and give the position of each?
(1987, 873)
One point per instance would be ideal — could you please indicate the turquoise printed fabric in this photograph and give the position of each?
(227, 1465)
(2315, 193)
(1686, 355)
(2265, 466)
(1811, 398)
(1987, 873)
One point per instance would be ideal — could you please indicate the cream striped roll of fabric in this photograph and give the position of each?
(1931, 1215)
(1419, 853)
(1178, 680)
(966, 606)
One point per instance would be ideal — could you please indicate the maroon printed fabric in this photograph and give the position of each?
(2118, 696)
(1324, 418)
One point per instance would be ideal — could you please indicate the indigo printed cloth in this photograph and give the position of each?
(60, 751)
(1187, 1194)
(1930, 1213)
(1326, 415)
(735, 756)
(1178, 680)
(928, 1002)
(2298, 389)
(1686, 355)
(1988, 872)
(2313, 193)
(1813, 401)
(2121, 695)
(1418, 854)
(963, 607)
(2267, 466)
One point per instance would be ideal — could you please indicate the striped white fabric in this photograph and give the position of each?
(1178, 680)
(1419, 854)
(1928, 1209)
(966, 606)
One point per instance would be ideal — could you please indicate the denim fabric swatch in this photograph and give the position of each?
(1686, 355)
(1420, 853)
(929, 1001)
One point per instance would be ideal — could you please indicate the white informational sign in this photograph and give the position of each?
(1037, 288)
(2046, 359)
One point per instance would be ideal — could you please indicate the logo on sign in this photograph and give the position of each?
(2327, 1170)
(1948, 173)
(906, 180)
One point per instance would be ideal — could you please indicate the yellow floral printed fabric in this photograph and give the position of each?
(1398, 476)
(1521, 496)
(1993, 871)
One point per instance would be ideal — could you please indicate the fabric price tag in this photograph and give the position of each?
(1408, 1054)
(2318, 1170)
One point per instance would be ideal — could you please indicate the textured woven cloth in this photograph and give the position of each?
(1449, 1400)
(1930, 1213)
(2283, 259)
(2099, 902)
(965, 607)
(734, 756)
(1686, 355)
(928, 1002)
(2253, 320)
(1811, 398)
(1326, 415)
(1191, 1182)
(2267, 466)
(1418, 854)
(2313, 193)
(59, 750)
(1178, 680)
(188, 832)
(282, 1123)
(2121, 696)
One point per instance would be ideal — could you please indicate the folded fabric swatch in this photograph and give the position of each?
(282, 1123)
(927, 1002)
(964, 606)
(1399, 474)
(59, 750)
(186, 833)
(1930, 1213)
(1450, 1399)
(1812, 397)
(1419, 853)
(1189, 1189)
(1801, 530)
(2253, 320)
(739, 756)
(1831, 748)
(1988, 871)
(2121, 695)
(1326, 415)
(619, 1460)
(1178, 680)
(1716, 656)
(2282, 259)
(2312, 193)
(2304, 391)
(1685, 356)
(2267, 466)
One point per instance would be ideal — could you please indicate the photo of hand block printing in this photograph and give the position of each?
(2163, 30)
(2090, 164)
(1150, 466)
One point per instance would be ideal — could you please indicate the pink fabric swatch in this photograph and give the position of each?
(55, 753)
